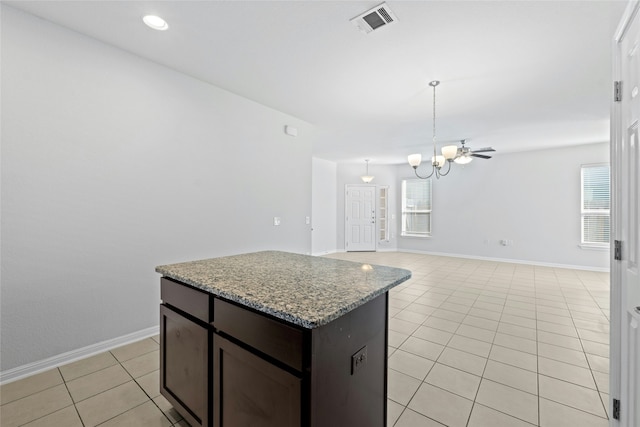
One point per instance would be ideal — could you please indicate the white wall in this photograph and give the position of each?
(385, 175)
(532, 198)
(323, 206)
(112, 165)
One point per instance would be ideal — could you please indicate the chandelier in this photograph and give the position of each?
(449, 152)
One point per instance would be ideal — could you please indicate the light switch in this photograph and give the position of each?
(291, 131)
(307, 220)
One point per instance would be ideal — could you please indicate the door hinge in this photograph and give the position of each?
(617, 250)
(616, 409)
(617, 91)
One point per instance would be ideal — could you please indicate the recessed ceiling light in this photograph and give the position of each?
(155, 22)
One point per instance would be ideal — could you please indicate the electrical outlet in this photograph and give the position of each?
(276, 220)
(359, 360)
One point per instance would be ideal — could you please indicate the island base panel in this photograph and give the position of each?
(340, 394)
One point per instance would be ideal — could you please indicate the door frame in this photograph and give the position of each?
(617, 306)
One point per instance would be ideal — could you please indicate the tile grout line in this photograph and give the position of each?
(73, 402)
(605, 407)
(485, 367)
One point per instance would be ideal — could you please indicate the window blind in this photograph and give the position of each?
(596, 202)
(416, 207)
(417, 195)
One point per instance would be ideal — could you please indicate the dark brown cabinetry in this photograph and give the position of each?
(227, 365)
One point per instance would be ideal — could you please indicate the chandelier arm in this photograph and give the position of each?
(448, 169)
(424, 177)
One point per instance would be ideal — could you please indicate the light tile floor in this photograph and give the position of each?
(471, 344)
(489, 344)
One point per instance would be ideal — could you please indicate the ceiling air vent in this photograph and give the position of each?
(376, 18)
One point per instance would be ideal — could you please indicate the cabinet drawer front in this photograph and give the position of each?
(267, 335)
(185, 298)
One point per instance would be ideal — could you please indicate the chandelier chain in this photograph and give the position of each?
(434, 114)
(434, 84)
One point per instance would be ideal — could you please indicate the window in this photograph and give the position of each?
(595, 205)
(416, 207)
(383, 221)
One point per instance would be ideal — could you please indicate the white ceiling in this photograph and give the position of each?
(515, 75)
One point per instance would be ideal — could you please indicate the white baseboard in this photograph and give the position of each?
(507, 260)
(29, 369)
(510, 261)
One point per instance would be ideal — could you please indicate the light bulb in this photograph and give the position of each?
(414, 160)
(155, 22)
(449, 152)
(463, 160)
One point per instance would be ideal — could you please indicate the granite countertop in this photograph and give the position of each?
(305, 290)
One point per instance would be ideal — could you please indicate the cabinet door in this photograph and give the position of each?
(249, 391)
(184, 366)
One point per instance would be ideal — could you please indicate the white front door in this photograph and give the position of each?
(625, 277)
(360, 218)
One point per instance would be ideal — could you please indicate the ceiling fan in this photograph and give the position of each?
(465, 153)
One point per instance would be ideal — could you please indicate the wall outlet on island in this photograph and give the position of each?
(359, 360)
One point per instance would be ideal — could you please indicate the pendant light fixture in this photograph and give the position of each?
(366, 178)
(449, 152)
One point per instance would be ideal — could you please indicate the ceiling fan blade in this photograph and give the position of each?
(481, 150)
(482, 156)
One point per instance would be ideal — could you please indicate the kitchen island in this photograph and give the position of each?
(276, 339)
